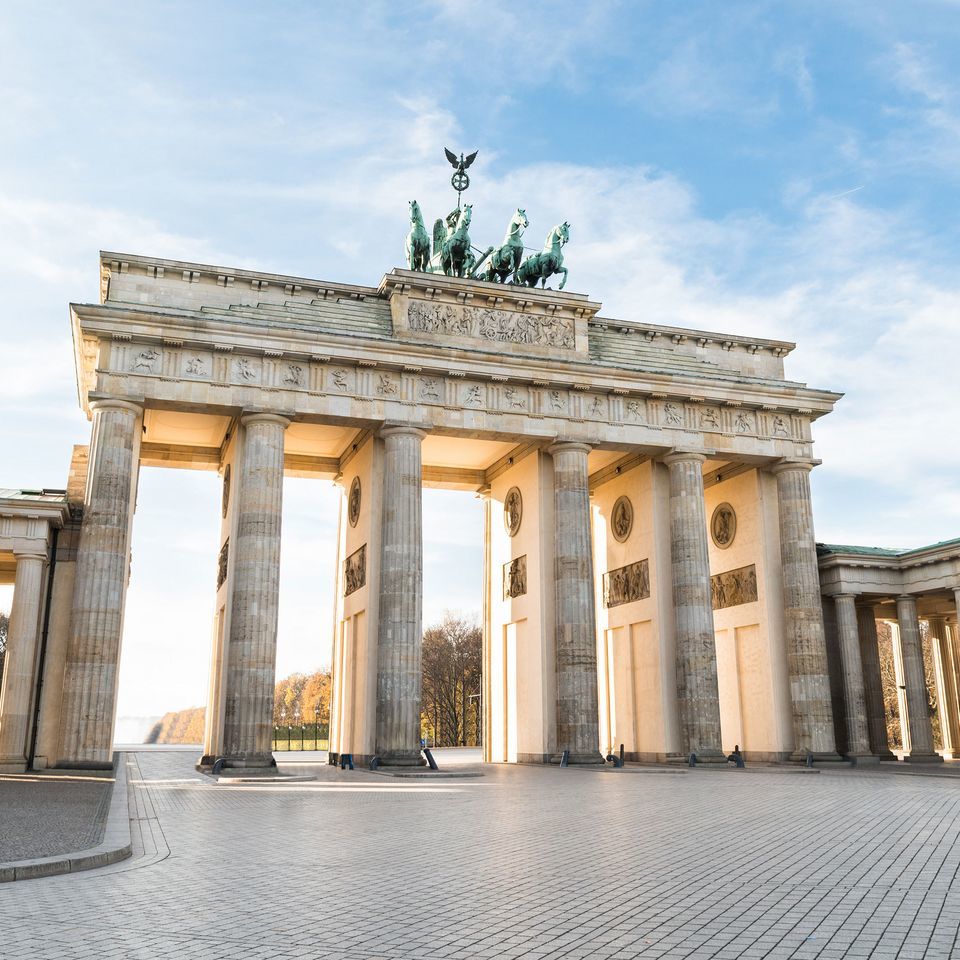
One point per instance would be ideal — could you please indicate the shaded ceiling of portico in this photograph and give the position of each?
(934, 604)
(8, 567)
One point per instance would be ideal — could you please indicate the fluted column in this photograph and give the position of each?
(858, 736)
(918, 703)
(255, 593)
(19, 668)
(803, 615)
(698, 697)
(400, 631)
(578, 712)
(99, 592)
(946, 684)
(872, 683)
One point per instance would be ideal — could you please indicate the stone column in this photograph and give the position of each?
(872, 683)
(578, 711)
(918, 704)
(400, 631)
(19, 669)
(251, 646)
(803, 615)
(858, 736)
(946, 684)
(698, 697)
(99, 593)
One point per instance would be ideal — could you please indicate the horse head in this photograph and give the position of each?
(520, 218)
(563, 232)
(465, 217)
(415, 215)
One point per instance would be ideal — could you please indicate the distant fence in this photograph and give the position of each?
(306, 736)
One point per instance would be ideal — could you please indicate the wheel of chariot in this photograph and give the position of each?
(460, 181)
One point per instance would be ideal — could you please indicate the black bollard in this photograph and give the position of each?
(374, 763)
(692, 761)
(430, 761)
(564, 760)
(217, 766)
(621, 754)
(810, 759)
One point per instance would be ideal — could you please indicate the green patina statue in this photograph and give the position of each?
(541, 266)
(505, 260)
(451, 244)
(454, 256)
(418, 240)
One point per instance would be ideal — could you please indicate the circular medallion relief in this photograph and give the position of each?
(353, 504)
(512, 511)
(225, 503)
(621, 519)
(723, 526)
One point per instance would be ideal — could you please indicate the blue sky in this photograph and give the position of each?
(787, 170)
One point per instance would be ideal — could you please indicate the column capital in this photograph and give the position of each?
(561, 446)
(108, 403)
(782, 466)
(402, 429)
(906, 596)
(845, 596)
(683, 456)
(34, 553)
(262, 417)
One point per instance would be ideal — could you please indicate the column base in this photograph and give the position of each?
(580, 759)
(13, 765)
(863, 759)
(888, 755)
(255, 761)
(709, 757)
(923, 758)
(401, 758)
(832, 757)
(82, 765)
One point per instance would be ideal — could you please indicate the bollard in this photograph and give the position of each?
(809, 759)
(430, 761)
(217, 766)
(564, 760)
(616, 761)
(374, 763)
(692, 761)
(621, 754)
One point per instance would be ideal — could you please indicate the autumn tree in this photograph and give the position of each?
(298, 695)
(452, 654)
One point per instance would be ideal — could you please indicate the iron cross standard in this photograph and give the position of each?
(460, 181)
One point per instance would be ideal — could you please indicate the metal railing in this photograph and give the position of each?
(304, 736)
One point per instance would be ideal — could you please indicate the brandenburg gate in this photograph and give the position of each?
(650, 567)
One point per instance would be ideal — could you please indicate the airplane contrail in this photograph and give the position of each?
(846, 193)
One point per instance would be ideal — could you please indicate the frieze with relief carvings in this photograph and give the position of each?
(734, 587)
(515, 578)
(355, 571)
(627, 584)
(221, 365)
(505, 326)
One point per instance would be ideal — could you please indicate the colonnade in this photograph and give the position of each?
(89, 691)
(866, 727)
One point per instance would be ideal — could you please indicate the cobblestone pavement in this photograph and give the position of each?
(522, 862)
(45, 815)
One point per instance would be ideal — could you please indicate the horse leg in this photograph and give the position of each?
(563, 282)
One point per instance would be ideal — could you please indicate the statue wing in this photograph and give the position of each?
(470, 159)
(439, 235)
(452, 157)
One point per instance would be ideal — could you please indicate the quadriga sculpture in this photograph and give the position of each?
(541, 266)
(418, 240)
(505, 260)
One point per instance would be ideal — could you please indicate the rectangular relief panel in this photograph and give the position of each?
(626, 584)
(734, 587)
(355, 571)
(515, 578)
